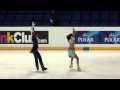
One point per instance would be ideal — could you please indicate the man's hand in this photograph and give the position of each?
(33, 24)
(51, 20)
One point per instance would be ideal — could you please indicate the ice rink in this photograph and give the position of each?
(94, 65)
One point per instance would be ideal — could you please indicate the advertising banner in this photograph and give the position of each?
(87, 37)
(109, 37)
(22, 37)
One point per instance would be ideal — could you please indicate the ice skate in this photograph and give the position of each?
(37, 68)
(78, 68)
(71, 66)
(44, 69)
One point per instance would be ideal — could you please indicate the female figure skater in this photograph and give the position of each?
(71, 49)
(35, 49)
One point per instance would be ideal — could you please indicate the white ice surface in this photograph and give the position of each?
(94, 65)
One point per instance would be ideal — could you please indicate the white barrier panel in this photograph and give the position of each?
(56, 36)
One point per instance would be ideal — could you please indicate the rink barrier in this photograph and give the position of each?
(43, 48)
(104, 48)
(61, 48)
(54, 38)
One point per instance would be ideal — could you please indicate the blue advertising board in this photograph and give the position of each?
(109, 37)
(87, 37)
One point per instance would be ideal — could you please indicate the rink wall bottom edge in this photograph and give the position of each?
(60, 48)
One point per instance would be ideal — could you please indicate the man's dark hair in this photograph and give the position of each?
(35, 33)
(69, 37)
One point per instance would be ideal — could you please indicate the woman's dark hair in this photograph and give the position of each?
(69, 37)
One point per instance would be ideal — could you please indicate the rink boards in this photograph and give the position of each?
(54, 38)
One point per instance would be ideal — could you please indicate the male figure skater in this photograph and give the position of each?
(35, 49)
